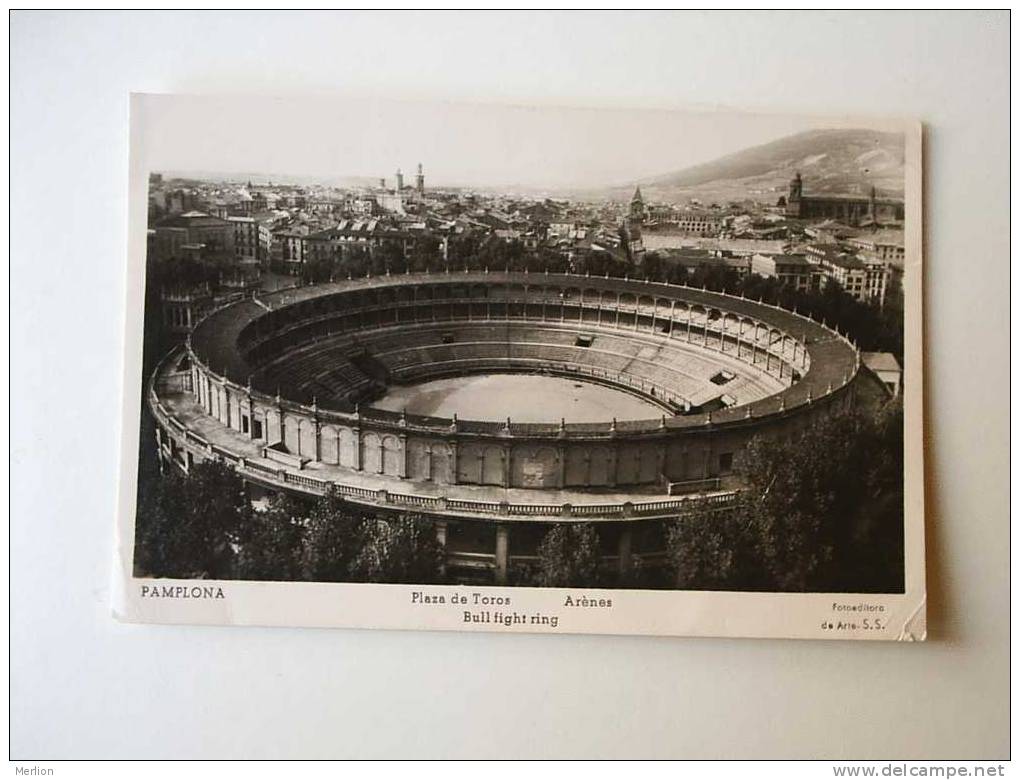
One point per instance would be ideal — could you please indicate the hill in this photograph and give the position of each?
(845, 161)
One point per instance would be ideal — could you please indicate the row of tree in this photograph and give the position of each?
(823, 511)
(473, 252)
(204, 525)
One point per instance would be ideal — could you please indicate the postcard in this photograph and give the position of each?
(420, 365)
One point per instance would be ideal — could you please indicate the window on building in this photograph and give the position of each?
(726, 463)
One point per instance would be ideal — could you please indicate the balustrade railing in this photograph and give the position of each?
(437, 504)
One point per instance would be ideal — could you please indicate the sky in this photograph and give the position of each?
(459, 144)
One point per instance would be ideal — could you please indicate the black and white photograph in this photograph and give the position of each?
(578, 349)
(538, 385)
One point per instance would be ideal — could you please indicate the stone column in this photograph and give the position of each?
(403, 456)
(441, 540)
(506, 466)
(226, 405)
(357, 448)
(561, 467)
(453, 463)
(208, 394)
(502, 553)
(624, 550)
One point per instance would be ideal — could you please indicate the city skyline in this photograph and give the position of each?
(461, 145)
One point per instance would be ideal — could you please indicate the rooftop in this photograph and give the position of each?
(880, 361)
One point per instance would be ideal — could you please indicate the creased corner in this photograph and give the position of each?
(915, 629)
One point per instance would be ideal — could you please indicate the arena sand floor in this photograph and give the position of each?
(522, 397)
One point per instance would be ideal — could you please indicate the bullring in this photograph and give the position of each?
(281, 386)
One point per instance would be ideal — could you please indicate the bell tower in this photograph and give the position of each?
(419, 181)
(793, 202)
(637, 207)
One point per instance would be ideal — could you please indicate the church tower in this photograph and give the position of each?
(793, 202)
(419, 180)
(400, 180)
(637, 207)
(630, 231)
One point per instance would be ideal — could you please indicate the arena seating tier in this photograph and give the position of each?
(323, 370)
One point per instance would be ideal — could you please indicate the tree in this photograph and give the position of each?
(272, 542)
(399, 550)
(868, 551)
(189, 525)
(317, 270)
(825, 509)
(426, 254)
(389, 258)
(569, 556)
(332, 539)
(707, 551)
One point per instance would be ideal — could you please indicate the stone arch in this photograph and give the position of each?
(306, 438)
(392, 456)
(349, 447)
(469, 464)
(372, 448)
(329, 445)
(418, 457)
(272, 431)
(292, 433)
(491, 471)
(442, 463)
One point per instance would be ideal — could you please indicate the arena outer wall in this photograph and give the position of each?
(497, 476)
